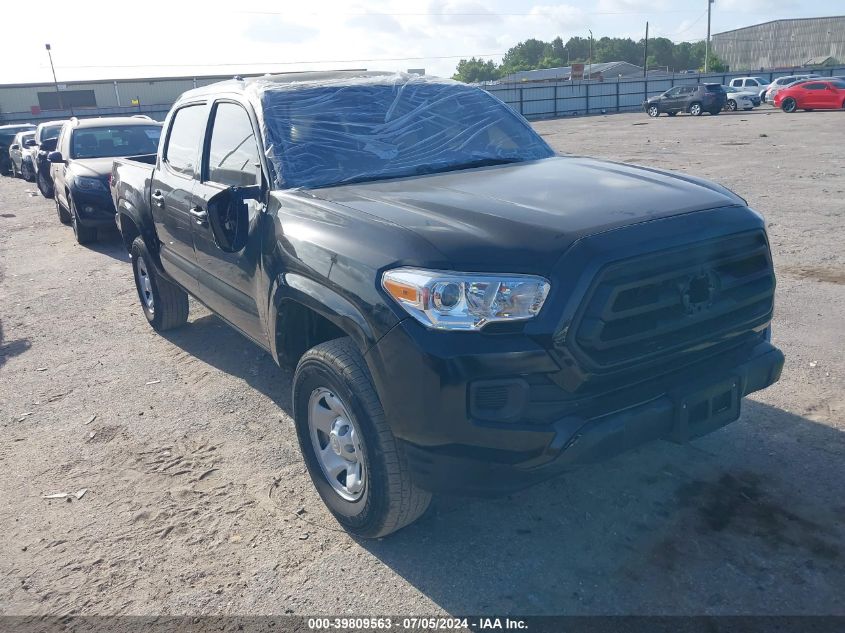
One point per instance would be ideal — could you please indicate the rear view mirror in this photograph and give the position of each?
(55, 157)
(228, 217)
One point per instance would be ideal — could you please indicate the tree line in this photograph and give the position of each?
(532, 54)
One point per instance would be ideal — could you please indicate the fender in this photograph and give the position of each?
(125, 209)
(293, 288)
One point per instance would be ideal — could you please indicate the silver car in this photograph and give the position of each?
(782, 82)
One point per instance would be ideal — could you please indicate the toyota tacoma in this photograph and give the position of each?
(466, 310)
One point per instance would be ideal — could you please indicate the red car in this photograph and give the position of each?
(812, 94)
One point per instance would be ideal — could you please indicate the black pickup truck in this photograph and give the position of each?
(466, 310)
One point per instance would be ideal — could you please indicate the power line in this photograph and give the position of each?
(321, 61)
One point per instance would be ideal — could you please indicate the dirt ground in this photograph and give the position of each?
(198, 502)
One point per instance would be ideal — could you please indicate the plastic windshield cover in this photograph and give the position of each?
(363, 128)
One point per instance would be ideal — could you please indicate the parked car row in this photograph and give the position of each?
(71, 162)
(791, 93)
(465, 310)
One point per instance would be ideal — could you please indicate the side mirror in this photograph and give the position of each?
(14, 146)
(55, 157)
(228, 217)
(29, 142)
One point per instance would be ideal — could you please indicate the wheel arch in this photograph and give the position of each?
(305, 313)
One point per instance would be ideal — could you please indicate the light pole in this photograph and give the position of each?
(55, 81)
(590, 69)
(707, 44)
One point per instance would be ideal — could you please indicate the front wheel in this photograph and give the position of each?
(695, 109)
(789, 105)
(164, 304)
(45, 186)
(84, 234)
(26, 171)
(731, 105)
(653, 111)
(64, 216)
(355, 462)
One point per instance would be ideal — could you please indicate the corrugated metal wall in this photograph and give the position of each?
(535, 100)
(781, 44)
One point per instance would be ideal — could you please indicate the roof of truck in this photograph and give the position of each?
(238, 84)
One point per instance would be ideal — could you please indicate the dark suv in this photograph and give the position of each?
(82, 162)
(693, 99)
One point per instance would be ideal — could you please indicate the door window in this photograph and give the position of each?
(814, 86)
(184, 140)
(233, 158)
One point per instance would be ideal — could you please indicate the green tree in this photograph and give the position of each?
(474, 70)
(526, 55)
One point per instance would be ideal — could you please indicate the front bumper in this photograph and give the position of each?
(427, 396)
(95, 208)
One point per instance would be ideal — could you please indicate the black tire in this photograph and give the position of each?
(83, 234)
(789, 105)
(44, 185)
(64, 216)
(695, 108)
(390, 500)
(731, 105)
(671, 113)
(715, 111)
(26, 172)
(169, 307)
(653, 111)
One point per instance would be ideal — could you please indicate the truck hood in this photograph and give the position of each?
(522, 217)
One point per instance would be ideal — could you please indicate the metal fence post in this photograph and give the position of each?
(556, 87)
(587, 88)
(521, 109)
(618, 109)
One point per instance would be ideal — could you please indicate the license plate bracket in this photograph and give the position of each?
(699, 411)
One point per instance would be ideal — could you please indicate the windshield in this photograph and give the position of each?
(331, 133)
(49, 131)
(8, 133)
(116, 140)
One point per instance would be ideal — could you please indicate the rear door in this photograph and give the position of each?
(231, 158)
(172, 188)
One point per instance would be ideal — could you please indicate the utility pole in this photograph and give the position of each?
(707, 44)
(590, 71)
(55, 81)
(645, 53)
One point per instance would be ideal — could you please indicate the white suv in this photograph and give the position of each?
(752, 84)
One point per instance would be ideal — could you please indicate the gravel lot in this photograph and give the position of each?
(198, 502)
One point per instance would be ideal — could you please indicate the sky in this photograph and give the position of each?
(98, 39)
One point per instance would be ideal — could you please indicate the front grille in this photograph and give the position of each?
(685, 299)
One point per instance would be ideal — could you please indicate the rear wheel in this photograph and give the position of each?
(84, 234)
(789, 105)
(695, 109)
(355, 462)
(653, 111)
(164, 304)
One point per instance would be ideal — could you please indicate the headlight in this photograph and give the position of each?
(90, 184)
(465, 301)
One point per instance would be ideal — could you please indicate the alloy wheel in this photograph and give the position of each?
(337, 444)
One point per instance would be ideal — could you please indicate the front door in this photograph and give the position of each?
(171, 191)
(227, 281)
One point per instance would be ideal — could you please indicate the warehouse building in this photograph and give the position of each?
(35, 102)
(783, 44)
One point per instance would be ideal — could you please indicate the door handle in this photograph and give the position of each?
(199, 214)
(158, 199)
